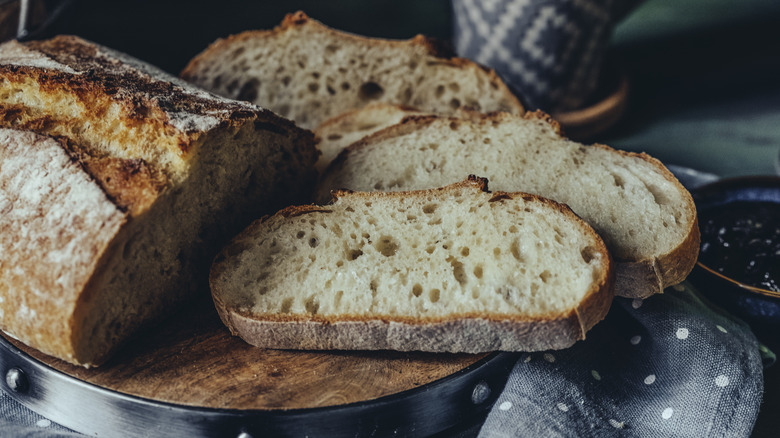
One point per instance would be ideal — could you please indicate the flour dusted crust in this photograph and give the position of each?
(335, 65)
(468, 331)
(118, 209)
(55, 223)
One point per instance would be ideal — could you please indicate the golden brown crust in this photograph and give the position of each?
(139, 112)
(459, 332)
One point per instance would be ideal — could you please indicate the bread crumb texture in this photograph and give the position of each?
(632, 200)
(309, 72)
(418, 257)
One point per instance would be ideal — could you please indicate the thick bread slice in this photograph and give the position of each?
(455, 269)
(111, 225)
(310, 73)
(335, 134)
(647, 219)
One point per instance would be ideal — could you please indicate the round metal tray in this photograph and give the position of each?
(462, 397)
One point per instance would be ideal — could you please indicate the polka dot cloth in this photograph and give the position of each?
(662, 366)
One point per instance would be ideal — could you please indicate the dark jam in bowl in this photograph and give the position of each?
(741, 240)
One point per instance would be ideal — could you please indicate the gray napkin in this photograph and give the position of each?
(669, 365)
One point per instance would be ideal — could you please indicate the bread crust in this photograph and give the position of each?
(153, 117)
(97, 77)
(634, 278)
(471, 332)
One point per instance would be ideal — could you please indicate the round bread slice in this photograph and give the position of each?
(453, 269)
(645, 216)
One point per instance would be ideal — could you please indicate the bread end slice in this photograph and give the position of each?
(453, 269)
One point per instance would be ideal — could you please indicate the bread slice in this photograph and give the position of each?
(110, 225)
(335, 134)
(455, 269)
(647, 219)
(310, 73)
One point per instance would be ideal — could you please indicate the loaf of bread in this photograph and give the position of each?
(454, 269)
(120, 183)
(310, 73)
(645, 216)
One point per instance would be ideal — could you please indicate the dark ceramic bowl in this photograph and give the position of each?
(753, 304)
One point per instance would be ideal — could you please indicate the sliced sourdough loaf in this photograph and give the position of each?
(111, 223)
(309, 72)
(454, 269)
(335, 134)
(647, 219)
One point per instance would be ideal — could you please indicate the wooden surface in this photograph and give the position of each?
(192, 360)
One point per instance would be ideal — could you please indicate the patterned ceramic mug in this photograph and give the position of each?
(550, 51)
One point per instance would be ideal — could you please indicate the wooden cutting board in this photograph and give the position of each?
(193, 360)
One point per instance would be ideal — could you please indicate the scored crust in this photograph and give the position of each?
(471, 332)
(138, 148)
(634, 278)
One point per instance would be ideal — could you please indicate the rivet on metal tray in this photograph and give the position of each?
(16, 380)
(480, 393)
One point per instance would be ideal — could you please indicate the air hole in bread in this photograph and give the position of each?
(513, 229)
(497, 252)
(465, 251)
(436, 221)
(454, 104)
(514, 248)
(454, 87)
(387, 246)
(331, 48)
(339, 264)
(379, 186)
(545, 276)
(411, 217)
(337, 298)
(430, 208)
(286, 305)
(458, 271)
(370, 91)
(236, 53)
(475, 293)
(313, 87)
(478, 272)
(417, 290)
(454, 125)
(345, 86)
(439, 91)
(430, 249)
(617, 180)
(434, 295)
(311, 305)
(659, 196)
(286, 80)
(354, 254)
(334, 137)
(331, 90)
(588, 254)
(300, 234)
